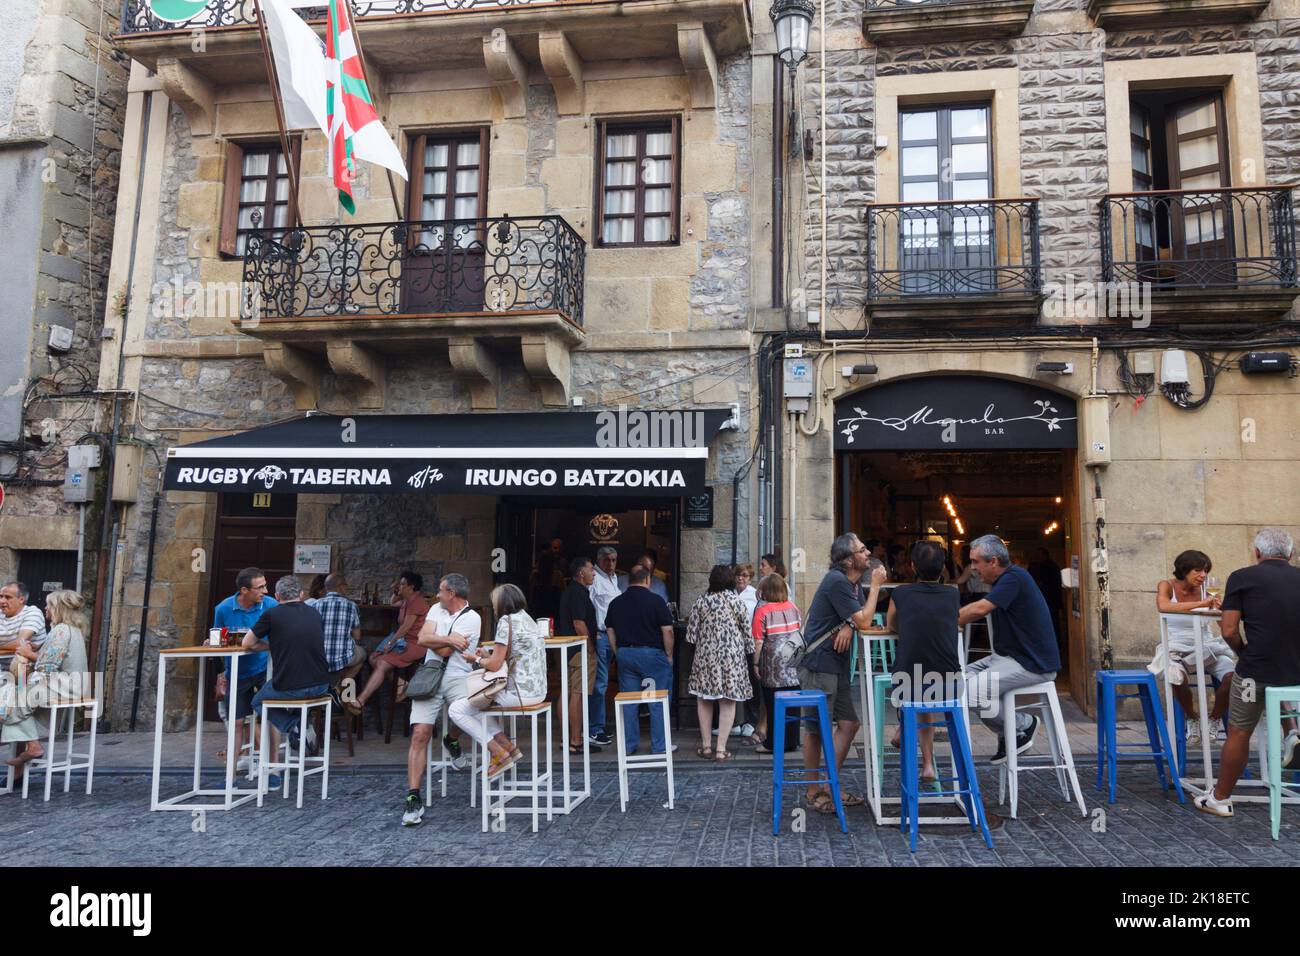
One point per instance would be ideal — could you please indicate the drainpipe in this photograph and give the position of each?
(144, 612)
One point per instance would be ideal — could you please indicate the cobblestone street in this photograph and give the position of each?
(722, 817)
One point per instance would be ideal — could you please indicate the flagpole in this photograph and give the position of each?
(365, 73)
(274, 77)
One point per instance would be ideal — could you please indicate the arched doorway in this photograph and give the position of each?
(952, 457)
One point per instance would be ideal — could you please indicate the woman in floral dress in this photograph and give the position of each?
(719, 629)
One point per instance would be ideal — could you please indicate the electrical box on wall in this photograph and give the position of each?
(126, 473)
(1094, 410)
(798, 386)
(78, 485)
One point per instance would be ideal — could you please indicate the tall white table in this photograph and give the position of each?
(571, 798)
(230, 795)
(1205, 784)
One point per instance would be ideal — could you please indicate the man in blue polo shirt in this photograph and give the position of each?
(1024, 640)
(240, 612)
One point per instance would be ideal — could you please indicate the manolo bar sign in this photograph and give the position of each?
(955, 412)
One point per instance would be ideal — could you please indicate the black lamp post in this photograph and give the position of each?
(793, 22)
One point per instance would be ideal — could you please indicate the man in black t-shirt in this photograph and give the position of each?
(295, 635)
(1265, 598)
(640, 630)
(837, 608)
(577, 616)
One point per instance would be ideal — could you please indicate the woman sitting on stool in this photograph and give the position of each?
(519, 644)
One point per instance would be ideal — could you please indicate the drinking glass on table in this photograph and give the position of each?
(1212, 588)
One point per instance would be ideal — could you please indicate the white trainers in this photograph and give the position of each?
(1193, 734)
(1291, 751)
(461, 762)
(744, 730)
(1206, 803)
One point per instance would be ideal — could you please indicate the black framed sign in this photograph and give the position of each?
(955, 412)
(697, 511)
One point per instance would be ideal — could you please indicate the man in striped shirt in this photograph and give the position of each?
(18, 618)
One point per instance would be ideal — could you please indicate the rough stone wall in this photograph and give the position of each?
(1062, 124)
(62, 81)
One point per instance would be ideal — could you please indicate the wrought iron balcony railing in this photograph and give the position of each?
(953, 249)
(137, 17)
(1227, 238)
(460, 267)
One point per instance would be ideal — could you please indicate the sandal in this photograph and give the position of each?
(575, 750)
(850, 799)
(722, 756)
(822, 802)
(704, 752)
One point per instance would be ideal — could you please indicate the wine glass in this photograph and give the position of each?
(1212, 588)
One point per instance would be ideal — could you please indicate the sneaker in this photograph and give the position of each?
(1291, 751)
(744, 730)
(452, 746)
(313, 743)
(672, 749)
(414, 810)
(460, 763)
(274, 781)
(601, 739)
(1193, 731)
(1024, 742)
(1207, 804)
(243, 764)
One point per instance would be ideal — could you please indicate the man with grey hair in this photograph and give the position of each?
(1024, 640)
(294, 634)
(450, 628)
(608, 584)
(18, 619)
(1266, 598)
(836, 609)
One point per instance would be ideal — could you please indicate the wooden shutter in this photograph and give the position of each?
(230, 199)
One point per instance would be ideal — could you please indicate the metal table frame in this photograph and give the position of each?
(570, 798)
(231, 796)
(1199, 786)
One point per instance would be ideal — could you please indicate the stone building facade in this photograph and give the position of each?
(660, 327)
(1066, 84)
(62, 108)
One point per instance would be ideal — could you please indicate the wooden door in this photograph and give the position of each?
(1076, 539)
(1200, 223)
(444, 270)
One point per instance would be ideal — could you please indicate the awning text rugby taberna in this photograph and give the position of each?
(625, 452)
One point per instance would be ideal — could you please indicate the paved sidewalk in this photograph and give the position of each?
(722, 817)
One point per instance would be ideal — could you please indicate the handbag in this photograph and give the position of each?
(427, 680)
(795, 648)
(482, 686)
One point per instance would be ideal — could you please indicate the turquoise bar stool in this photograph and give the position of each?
(1274, 698)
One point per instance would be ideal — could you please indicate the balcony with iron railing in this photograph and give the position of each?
(509, 38)
(362, 296)
(948, 260)
(1225, 254)
(929, 21)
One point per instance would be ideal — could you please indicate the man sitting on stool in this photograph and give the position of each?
(296, 638)
(1024, 640)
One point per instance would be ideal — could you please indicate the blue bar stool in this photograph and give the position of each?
(953, 713)
(798, 700)
(1110, 753)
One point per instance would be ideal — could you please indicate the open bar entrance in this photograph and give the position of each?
(954, 457)
(1025, 497)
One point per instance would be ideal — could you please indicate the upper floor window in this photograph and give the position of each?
(257, 181)
(639, 184)
(946, 153)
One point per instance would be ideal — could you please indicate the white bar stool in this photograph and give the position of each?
(635, 698)
(292, 762)
(1049, 711)
(432, 765)
(507, 786)
(50, 763)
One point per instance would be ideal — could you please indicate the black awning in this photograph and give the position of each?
(629, 452)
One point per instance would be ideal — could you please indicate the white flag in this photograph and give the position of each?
(300, 62)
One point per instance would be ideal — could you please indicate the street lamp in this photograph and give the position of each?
(792, 20)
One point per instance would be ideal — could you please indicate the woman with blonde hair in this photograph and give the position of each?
(37, 674)
(520, 646)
